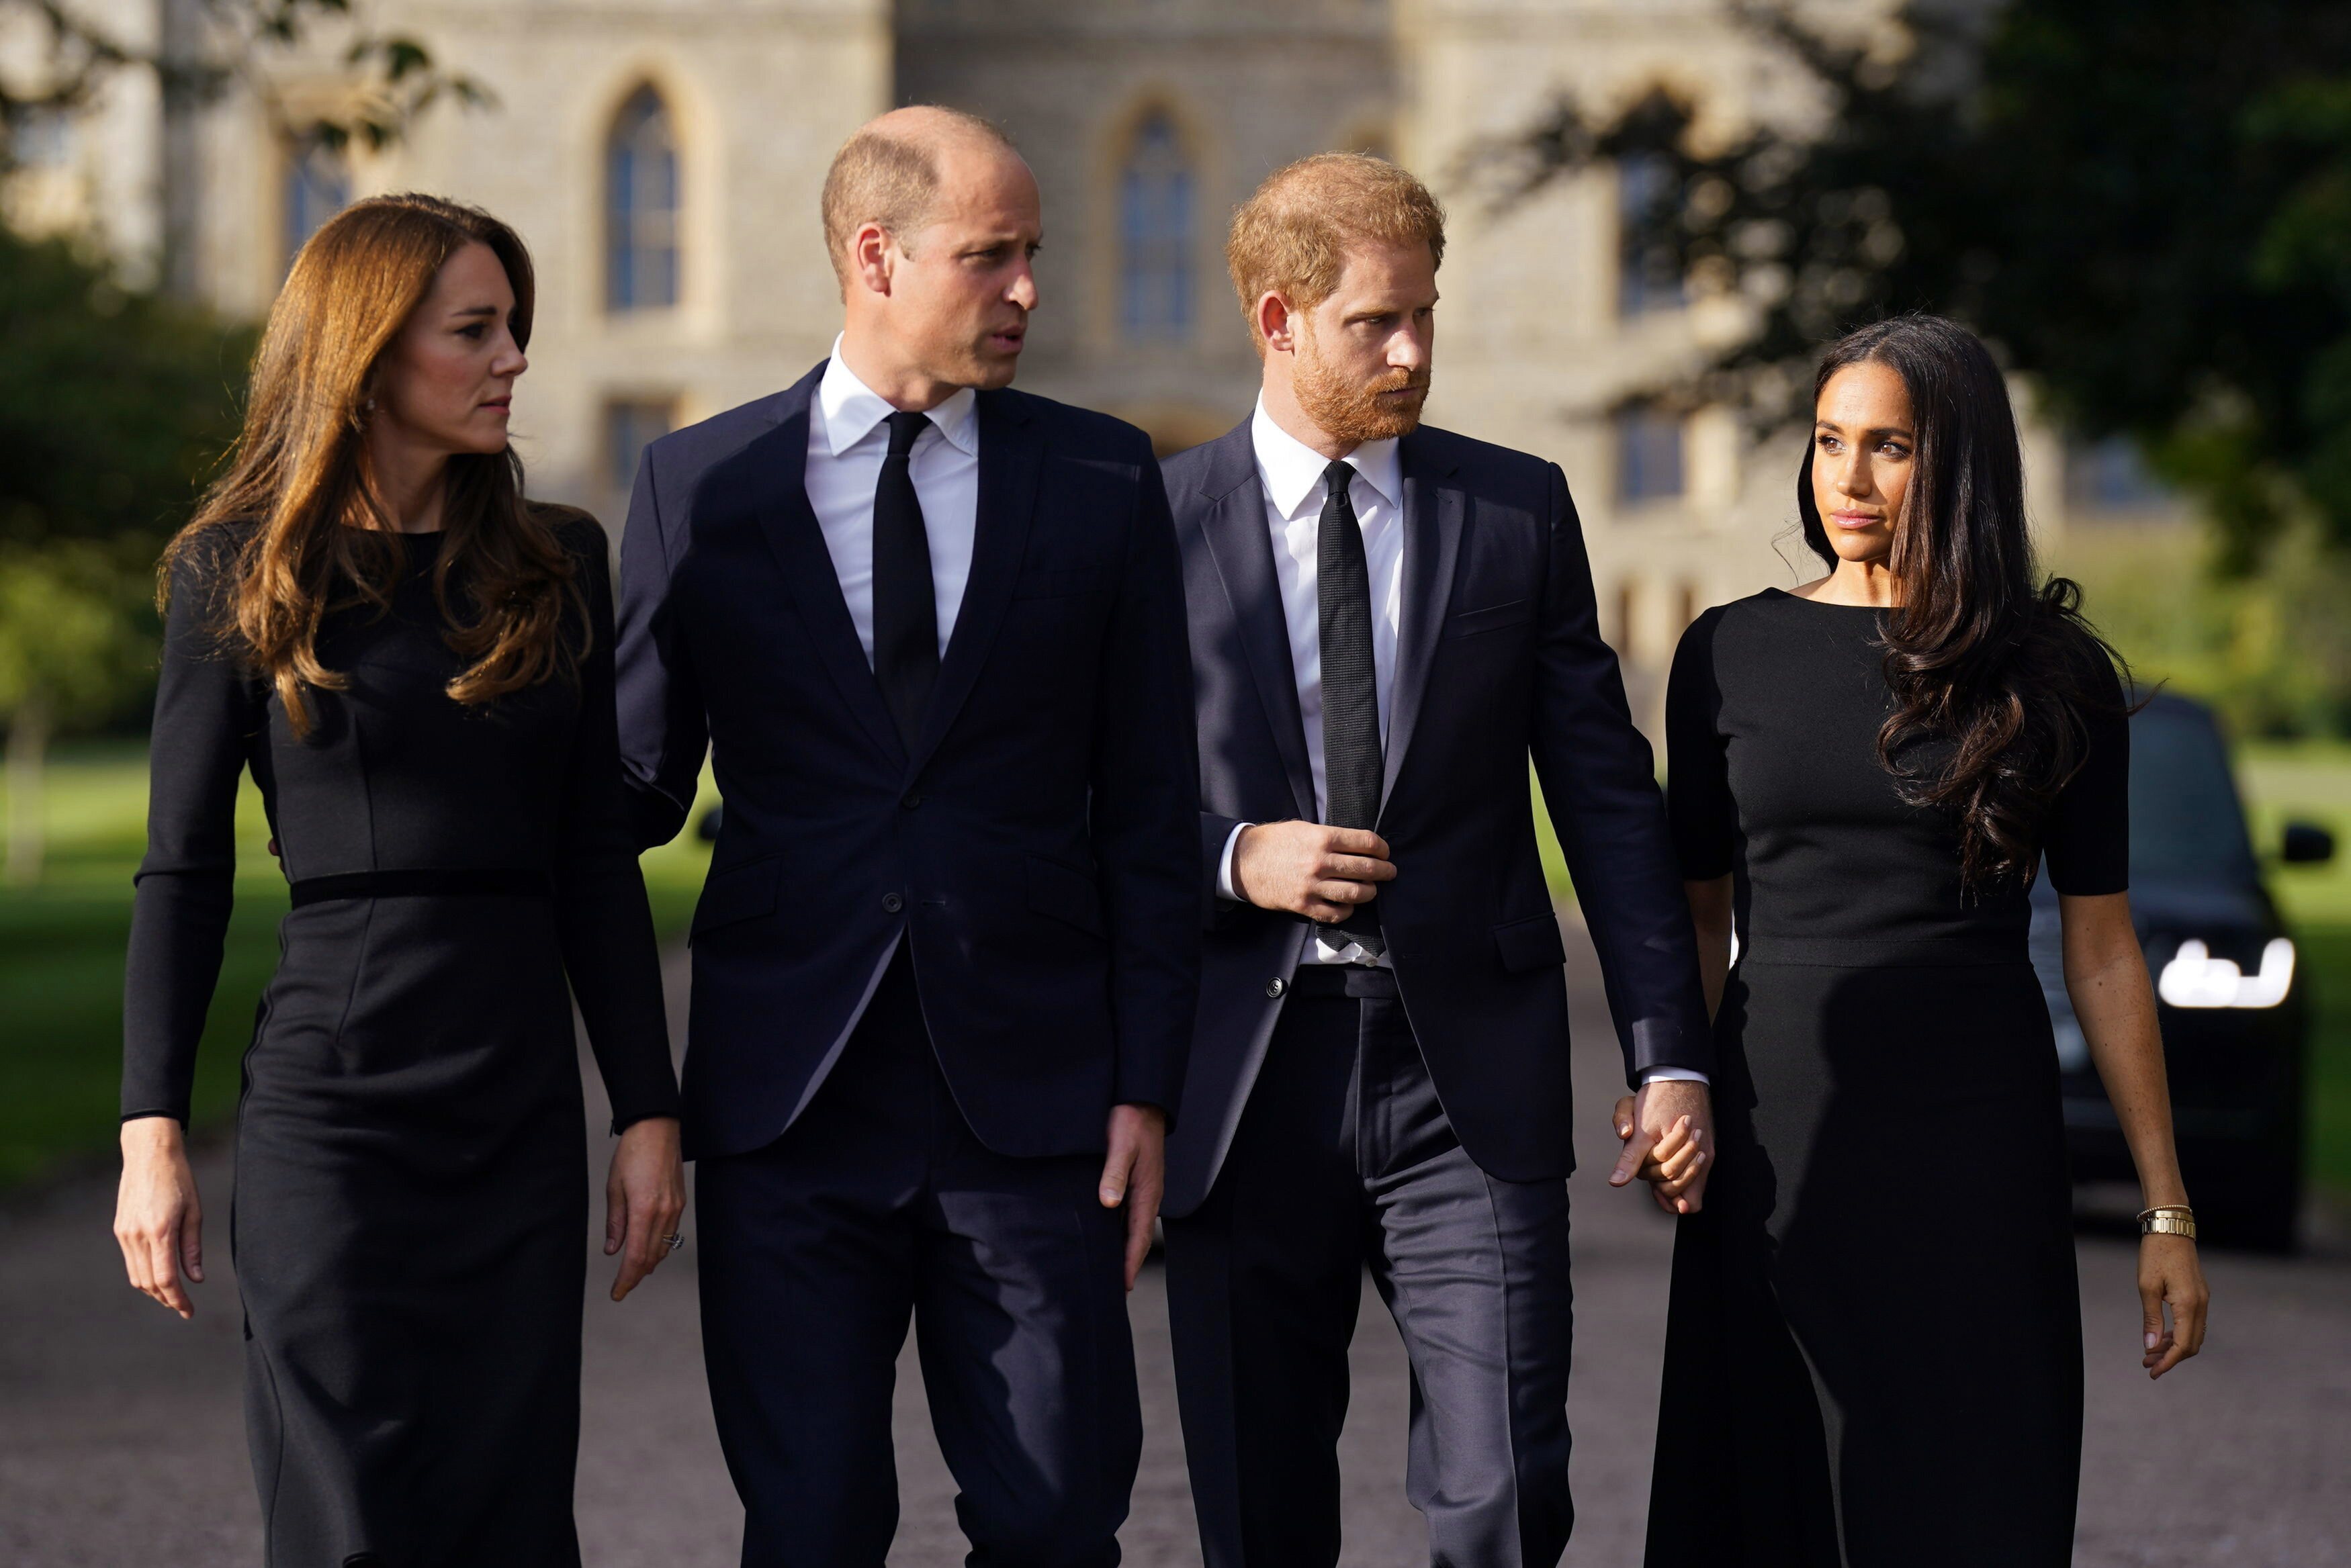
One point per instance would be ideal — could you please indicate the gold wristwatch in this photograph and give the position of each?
(2167, 1219)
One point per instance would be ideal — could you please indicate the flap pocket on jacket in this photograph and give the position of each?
(738, 893)
(1064, 893)
(1469, 623)
(1529, 944)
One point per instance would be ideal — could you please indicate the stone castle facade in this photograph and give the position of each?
(663, 159)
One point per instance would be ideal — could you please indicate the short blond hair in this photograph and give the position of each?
(891, 178)
(1290, 237)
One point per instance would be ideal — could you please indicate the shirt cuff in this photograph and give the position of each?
(1225, 888)
(1672, 1076)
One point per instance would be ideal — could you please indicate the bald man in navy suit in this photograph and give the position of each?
(931, 632)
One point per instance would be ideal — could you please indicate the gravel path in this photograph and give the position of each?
(121, 1441)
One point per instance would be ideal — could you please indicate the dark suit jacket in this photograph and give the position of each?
(1499, 656)
(1039, 849)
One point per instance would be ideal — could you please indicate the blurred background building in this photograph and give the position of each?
(663, 159)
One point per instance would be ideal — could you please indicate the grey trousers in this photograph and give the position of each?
(1344, 1159)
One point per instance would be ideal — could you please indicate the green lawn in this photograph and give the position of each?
(2306, 781)
(61, 949)
(61, 946)
(2311, 782)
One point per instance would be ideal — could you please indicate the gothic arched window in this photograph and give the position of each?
(1649, 275)
(318, 186)
(640, 206)
(1155, 231)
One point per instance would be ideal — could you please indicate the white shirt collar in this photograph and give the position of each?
(1293, 471)
(852, 410)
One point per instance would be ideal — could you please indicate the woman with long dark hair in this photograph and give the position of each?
(415, 663)
(1874, 1355)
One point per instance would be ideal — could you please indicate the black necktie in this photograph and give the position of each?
(905, 610)
(1351, 712)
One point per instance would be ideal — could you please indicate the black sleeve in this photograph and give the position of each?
(209, 725)
(1697, 775)
(2088, 838)
(1146, 809)
(664, 732)
(1600, 784)
(605, 925)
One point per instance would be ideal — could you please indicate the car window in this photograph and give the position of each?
(2186, 824)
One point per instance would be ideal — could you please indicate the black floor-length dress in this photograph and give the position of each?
(409, 1213)
(1874, 1352)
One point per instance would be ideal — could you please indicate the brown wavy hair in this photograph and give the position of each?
(317, 536)
(1983, 655)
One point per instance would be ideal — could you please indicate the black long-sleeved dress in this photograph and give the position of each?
(409, 1213)
(1873, 1352)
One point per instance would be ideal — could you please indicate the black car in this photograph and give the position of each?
(2231, 1004)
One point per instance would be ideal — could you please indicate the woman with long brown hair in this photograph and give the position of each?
(415, 663)
(1874, 1351)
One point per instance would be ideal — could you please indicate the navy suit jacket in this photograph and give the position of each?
(1039, 849)
(1499, 656)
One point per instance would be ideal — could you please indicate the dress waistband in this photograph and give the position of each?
(1956, 950)
(483, 881)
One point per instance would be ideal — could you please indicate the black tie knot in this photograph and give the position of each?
(1336, 479)
(906, 428)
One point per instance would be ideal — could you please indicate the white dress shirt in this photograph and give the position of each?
(1291, 476)
(847, 441)
(1289, 472)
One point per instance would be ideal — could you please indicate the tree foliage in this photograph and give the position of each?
(2146, 204)
(225, 44)
(113, 404)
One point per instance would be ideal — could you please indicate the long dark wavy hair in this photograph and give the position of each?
(325, 539)
(1983, 655)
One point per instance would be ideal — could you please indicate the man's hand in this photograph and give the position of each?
(1668, 1133)
(1307, 868)
(1135, 1175)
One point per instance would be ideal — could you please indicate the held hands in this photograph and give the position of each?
(643, 1197)
(158, 1222)
(1135, 1175)
(1668, 1133)
(1307, 868)
(2168, 1272)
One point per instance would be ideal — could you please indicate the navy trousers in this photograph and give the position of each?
(1344, 1159)
(876, 1206)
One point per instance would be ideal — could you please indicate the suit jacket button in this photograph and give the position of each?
(913, 800)
(1275, 986)
(892, 902)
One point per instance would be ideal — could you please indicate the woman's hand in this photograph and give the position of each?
(1666, 1143)
(158, 1222)
(2168, 1272)
(643, 1197)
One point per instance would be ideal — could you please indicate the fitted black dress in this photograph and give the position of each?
(409, 1213)
(1874, 1352)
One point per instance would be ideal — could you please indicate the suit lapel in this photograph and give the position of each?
(1435, 513)
(779, 466)
(1237, 537)
(1011, 465)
